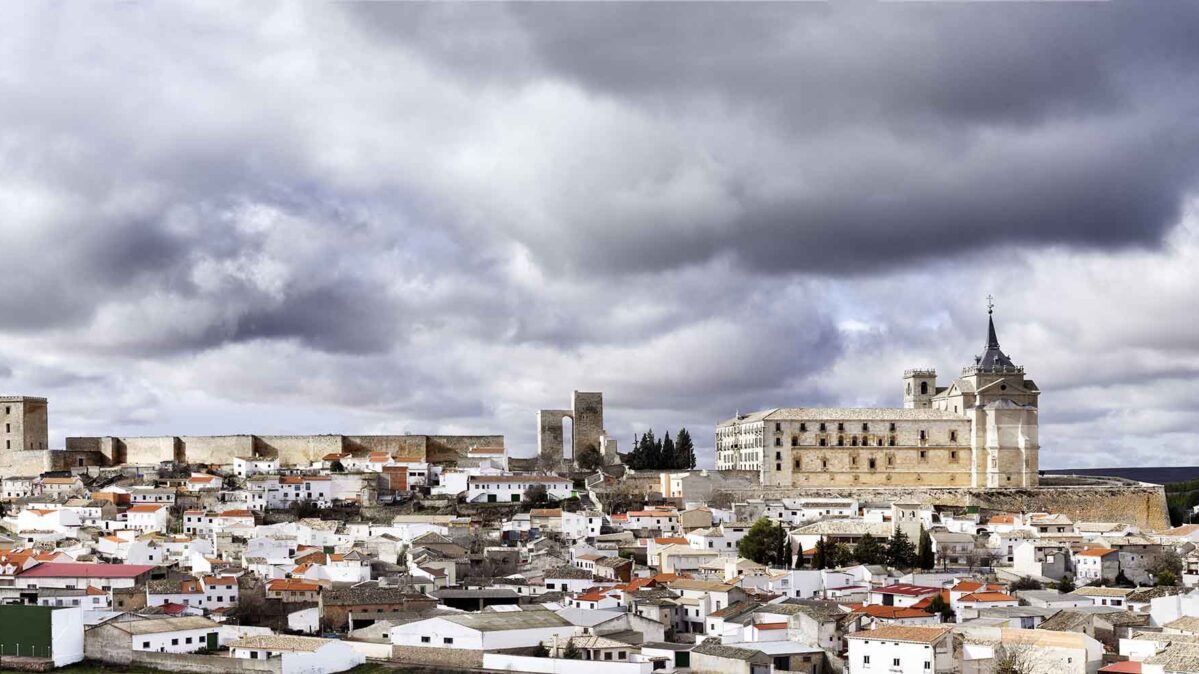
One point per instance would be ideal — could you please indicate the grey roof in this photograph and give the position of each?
(369, 592)
(281, 642)
(509, 620)
(160, 625)
(730, 652)
(569, 572)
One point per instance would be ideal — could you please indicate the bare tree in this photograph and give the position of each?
(1014, 658)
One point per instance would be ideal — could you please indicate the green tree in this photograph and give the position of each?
(839, 555)
(337, 467)
(761, 542)
(869, 550)
(590, 458)
(571, 652)
(782, 555)
(900, 551)
(925, 557)
(940, 607)
(820, 558)
(800, 561)
(684, 448)
(1166, 579)
(1066, 584)
(667, 458)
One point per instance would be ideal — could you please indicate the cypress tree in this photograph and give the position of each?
(684, 449)
(925, 558)
(820, 559)
(668, 458)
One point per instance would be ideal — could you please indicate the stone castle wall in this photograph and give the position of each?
(1139, 505)
(289, 449)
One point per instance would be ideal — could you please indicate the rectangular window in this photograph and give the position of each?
(778, 426)
(794, 441)
(803, 427)
(447, 640)
(778, 442)
(953, 456)
(894, 662)
(823, 427)
(425, 640)
(174, 642)
(892, 426)
(145, 644)
(953, 436)
(840, 425)
(923, 435)
(865, 659)
(865, 427)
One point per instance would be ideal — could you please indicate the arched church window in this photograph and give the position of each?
(923, 388)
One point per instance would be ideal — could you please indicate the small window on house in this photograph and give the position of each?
(891, 442)
(840, 425)
(794, 441)
(778, 426)
(923, 435)
(824, 463)
(823, 427)
(865, 427)
(871, 464)
(145, 644)
(953, 455)
(894, 662)
(823, 442)
(803, 427)
(923, 455)
(447, 640)
(778, 442)
(953, 436)
(854, 441)
(840, 441)
(797, 464)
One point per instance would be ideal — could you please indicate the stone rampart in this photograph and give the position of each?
(216, 448)
(1142, 505)
(290, 449)
(296, 450)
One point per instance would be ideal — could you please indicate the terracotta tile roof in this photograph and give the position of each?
(771, 626)
(652, 513)
(1126, 667)
(291, 585)
(1095, 552)
(927, 601)
(891, 612)
(146, 508)
(236, 513)
(908, 633)
(674, 540)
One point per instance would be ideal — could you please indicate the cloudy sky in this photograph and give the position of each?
(382, 218)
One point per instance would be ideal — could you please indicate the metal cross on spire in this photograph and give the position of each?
(990, 304)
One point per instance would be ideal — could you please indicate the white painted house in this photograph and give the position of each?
(484, 631)
(901, 649)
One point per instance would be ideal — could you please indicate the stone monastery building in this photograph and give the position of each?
(980, 431)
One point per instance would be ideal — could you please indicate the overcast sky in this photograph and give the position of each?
(385, 217)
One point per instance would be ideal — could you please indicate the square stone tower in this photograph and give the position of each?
(24, 423)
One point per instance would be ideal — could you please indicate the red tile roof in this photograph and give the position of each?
(987, 597)
(76, 570)
(1095, 552)
(908, 590)
(771, 626)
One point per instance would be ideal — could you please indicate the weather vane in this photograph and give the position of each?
(990, 304)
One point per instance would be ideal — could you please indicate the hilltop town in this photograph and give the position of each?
(920, 539)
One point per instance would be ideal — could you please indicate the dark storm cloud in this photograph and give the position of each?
(897, 131)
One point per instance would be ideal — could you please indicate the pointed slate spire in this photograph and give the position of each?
(993, 358)
(992, 340)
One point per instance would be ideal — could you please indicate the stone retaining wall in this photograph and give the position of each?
(1142, 505)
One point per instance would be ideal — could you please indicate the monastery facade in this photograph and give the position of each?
(980, 431)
